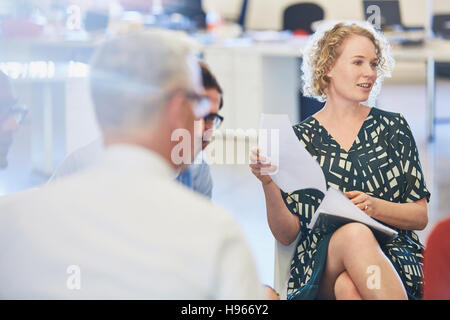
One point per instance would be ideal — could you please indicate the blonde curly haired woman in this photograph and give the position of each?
(369, 154)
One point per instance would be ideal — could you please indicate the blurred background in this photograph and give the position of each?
(254, 48)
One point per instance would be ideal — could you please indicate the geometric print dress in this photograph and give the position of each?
(382, 162)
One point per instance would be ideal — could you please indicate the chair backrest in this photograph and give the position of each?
(300, 16)
(282, 270)
(309, 106)
(191, 9)
(441, 25)
(243, 14)
(389, 11)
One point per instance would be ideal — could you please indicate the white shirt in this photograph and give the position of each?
(86, 157)
(122, 230)
(81, 159)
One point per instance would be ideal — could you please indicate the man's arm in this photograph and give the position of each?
(236, 270)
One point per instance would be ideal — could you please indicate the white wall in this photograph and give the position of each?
(442, 6)
(229, 9)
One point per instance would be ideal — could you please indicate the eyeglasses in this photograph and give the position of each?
(213, 120)
(19, 112)
(203, 105)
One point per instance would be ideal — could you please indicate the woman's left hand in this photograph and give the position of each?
(363, 201)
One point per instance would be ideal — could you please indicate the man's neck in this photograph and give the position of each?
(153, 142)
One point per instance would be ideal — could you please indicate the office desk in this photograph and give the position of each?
(55, 90)
(265, 77)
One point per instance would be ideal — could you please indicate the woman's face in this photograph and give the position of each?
(355, 71)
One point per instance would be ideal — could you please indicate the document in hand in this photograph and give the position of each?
(298, 170)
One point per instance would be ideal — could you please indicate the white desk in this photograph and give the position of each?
(265, 77)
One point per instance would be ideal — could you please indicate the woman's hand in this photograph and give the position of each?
(260, 167)
(362, 200)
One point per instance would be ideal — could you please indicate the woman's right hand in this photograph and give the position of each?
(261, 167)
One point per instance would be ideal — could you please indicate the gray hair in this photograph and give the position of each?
(132, 75)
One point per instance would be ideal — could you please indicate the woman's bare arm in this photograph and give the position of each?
(283, 224)
(406, 216)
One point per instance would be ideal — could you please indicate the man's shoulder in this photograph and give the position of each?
(151, 191)
(200, 205)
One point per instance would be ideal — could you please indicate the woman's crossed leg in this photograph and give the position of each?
(354, 258)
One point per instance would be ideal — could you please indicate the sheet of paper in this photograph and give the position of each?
(336, 203)
(296, 168)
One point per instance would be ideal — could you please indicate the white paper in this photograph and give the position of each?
(337, 204)
(296, 168)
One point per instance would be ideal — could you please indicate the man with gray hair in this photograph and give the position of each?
(125, 229)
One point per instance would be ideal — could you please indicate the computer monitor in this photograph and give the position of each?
(389, 11)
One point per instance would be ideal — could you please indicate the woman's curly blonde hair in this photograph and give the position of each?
(322, 51)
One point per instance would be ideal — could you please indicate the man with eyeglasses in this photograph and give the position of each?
(125, 229)
(198, 175)
(11, 115)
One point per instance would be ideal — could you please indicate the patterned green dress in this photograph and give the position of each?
(382, 162)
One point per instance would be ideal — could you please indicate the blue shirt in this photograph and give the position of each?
(198, 178)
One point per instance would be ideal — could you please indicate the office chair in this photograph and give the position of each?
(441, 25)
(441, 29)
(243, 14)
(191, 9)
(282, 268)
(300, 16)
(308, 106)
(436, 263)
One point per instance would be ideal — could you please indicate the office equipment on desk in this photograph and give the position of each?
(406, 38)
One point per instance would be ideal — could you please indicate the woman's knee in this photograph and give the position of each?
(355, 233)
(345, 288)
